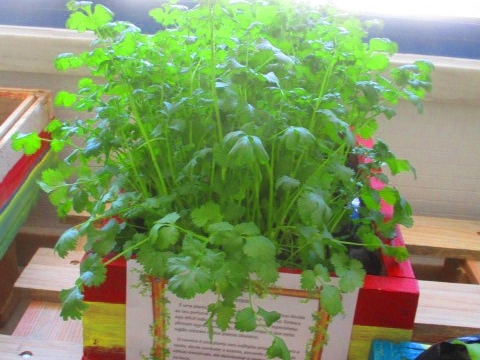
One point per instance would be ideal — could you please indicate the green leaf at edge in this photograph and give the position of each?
(73, 306)
(278, 349)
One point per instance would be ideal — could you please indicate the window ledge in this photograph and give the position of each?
(33, 50)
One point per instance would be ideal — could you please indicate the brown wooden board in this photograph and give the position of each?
(444, 237)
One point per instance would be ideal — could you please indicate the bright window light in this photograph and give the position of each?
(410, 8)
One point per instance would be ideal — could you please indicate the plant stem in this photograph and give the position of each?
(159, 180)
(213, 77)
(133, 163)
(321, 93)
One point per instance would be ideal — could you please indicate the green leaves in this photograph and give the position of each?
(259, 248)
(65, 99)
(189, 279)
(278, 349)
(331, 300)
(73, 306)
(297, 138)
(313, 209)
(67, 242)
(153, 261)
(350, 272)
(206, 214)
(269, 317)
(86, 17)
(246, 149)
(225, 147)
(246, 320)
(163, 233)
(92, 270)
(28, 143)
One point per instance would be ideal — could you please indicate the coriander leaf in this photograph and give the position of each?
(389, 195)
(28, 143)
(169, 218)
(57, 145)
(231, 278)
(105, 237)
(242, 152)
(397, 166)
(73, 306)
(296, 138)
(188, 279)
(331, 300)
(212, 259)
(67, 242)
(79, 200)
(322, 272)
(340, 262)
(53, 125)
(167, 236)
(352, 279)
(67, 61)
(261, 154)
(287, 183)
(58, 197)
(259, 247)
(369, 238)
(207, 214)
(246, 320)
(308, 280)
(224, 315)
(270, 317)
(370, 198)
(272, 79)
(400, 253)
(382, 45)
(313, 209)
(163, 234)
(219, 227)
(52, 179)
(266, 270)
(247, 229)
(278, 349)
(65, 99)
(154, 262)
(193, 247)
(378, 62)
(368, 129)
(92, 270)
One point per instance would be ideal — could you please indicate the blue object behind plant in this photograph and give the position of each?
(389, 350)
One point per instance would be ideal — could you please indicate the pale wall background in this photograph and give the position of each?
(442, 143)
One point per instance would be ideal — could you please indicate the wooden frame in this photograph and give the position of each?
(21, 110)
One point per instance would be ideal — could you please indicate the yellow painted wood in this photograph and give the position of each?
(104, 325)
(362, 337)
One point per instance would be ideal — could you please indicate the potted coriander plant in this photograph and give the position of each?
(227, 145)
